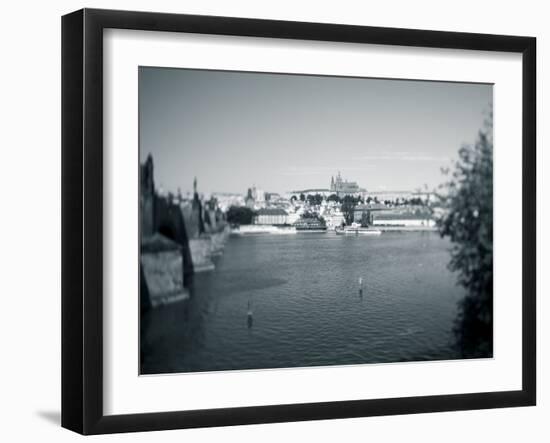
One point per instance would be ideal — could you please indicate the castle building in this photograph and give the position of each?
(342, 187)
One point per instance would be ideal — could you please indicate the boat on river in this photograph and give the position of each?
(310, 225)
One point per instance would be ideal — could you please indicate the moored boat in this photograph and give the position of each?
(310, 225)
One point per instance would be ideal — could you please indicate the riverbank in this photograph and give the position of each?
(406, 228)
(263, 229)
(284, 230)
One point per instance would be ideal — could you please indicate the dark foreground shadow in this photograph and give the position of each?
(54, 417)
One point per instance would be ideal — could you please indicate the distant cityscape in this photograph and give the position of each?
(343, 203)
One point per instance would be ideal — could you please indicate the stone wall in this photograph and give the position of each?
(218, 240)
(169, 222)
(177, 240)
(201, 254)
(161, 269)
(191, 217)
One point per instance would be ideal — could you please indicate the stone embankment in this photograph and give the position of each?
(178, 238)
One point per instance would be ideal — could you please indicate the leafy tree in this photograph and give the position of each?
(348, 208)
(416, 201)
(467, 202)
(333, 198)
(364, 219)
(302, 197)
(240, 215)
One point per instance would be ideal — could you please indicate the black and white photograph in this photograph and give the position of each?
(292, 220)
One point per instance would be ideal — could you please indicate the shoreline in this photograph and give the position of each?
(277, 230)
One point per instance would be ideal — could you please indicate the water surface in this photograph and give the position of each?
(307, 307)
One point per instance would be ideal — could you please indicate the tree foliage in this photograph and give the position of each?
(314, 199)
(416, 201)
(309, 214)
(240, 215)
(349, 203)
(364, 220)
(467, 203)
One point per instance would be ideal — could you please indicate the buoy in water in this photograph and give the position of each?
(361, 286)
(249, 318)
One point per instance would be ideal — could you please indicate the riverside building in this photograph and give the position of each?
(271, 216)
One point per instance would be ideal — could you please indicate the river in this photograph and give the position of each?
(307, 309)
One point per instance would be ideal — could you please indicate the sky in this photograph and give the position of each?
(285, 132)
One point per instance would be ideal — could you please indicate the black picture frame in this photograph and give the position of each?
(82, 219)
